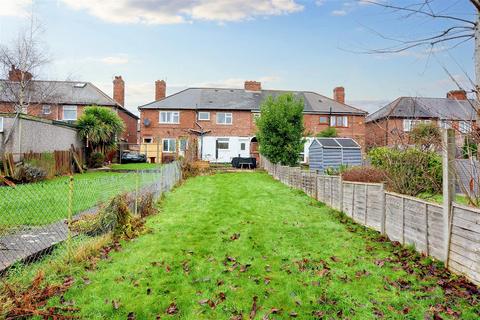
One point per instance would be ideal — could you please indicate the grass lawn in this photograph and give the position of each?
(222, 242)
(438, 198)
(46, 202)
(135, 166)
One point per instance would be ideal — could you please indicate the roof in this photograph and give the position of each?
(413, 107)
(336, 143)
(240, 99)
(60, 92)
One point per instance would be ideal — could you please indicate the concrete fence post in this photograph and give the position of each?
(383, 213)
(340, 190)
(448, 167)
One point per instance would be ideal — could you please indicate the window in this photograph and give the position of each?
(464, 126)
(445, 124)
(409, 124)
(147, 140)
(242, 146)
(339, 121)
(256, 115)
(69, 113)
(324, 119)
(224, 118)
(169, 145)
(169, 117)
(46, 109)
(204, 116)
(223, 143)
(1, 124)
(183, 144)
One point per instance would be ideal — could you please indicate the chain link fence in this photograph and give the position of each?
(35, 217)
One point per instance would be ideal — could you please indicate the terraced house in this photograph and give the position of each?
(63, 100)
(221, 122)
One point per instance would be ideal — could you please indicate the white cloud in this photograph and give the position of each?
(120, 59)
(320, 2)
(175, 11)
(339, 13)
(17, 8)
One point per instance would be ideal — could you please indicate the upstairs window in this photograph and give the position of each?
(409, 124)
(203, 116)
(46, 109)
(339, 121)
(170, 117)
(1, 124)
(224, 118)
(69, 113)
(148, 140)
(445, 124)
(464, 126)
(323, 120)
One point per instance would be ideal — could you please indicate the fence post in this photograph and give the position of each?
(136, 192)
(366, 205)
(403, 220)
(448, 148)
(383, 217)
(69, 218)
(340, 190)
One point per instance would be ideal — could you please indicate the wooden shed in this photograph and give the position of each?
(333, 152)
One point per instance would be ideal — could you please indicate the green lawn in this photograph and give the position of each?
(46, 202)
(135, 166)
(438, 198)
(222, 240)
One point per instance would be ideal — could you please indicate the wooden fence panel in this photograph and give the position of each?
(394, 217)
(375, 206)
(348, 198)
(436, 242)
(321, 188)
(415, 224)
(337, 193)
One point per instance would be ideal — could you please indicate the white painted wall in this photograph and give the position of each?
(234, 148)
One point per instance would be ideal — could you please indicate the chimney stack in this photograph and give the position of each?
(119, 90)
(17, 75)
(457, 95)
(339, 94)
(160, 89)
(253, 86)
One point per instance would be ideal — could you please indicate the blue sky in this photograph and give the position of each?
(286, 44)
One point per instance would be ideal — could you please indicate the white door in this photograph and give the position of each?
(223, 150)
(244, 148)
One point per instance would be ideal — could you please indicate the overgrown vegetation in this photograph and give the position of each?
(331, 171)
(410, 171)
(469, 148)
(280, 129)
(28, 173)
(364, 174)
(426, 136)
(96, 160)
(329, 132)
(248, 247)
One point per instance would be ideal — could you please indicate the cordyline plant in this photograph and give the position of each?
(280, 129)
(100, 127)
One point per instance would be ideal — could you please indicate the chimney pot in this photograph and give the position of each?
(17, 75)
(253, 85)
(457, 95)
(339, 94)
(160, 89)
(119, 90)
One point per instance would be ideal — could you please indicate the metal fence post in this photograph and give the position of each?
(448, 147)
(136, 192)
(69, 218)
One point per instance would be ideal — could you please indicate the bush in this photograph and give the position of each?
(96, 160)
(146, 205)
(329, 132)
(426, 136)
(364, 174)
(27, 173)
(411, 171)
(330, 171)
(469, 148)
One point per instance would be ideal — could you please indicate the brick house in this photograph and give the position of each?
(222, 121)
(390, 125)
(65, 100)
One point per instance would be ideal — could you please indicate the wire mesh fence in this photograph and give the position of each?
(35, 217)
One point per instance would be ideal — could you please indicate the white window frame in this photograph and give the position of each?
(70, 108)
(227, 115)
(223, 140)
(409, 124)
(1, 124)
(445, 124)
(46, 109)
(169, 117)
(334, 122)
(324, 122)
(199, 118)
(169, 145)
(464, 126)
(185, 142)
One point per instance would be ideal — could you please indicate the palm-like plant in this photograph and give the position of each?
(100, 127)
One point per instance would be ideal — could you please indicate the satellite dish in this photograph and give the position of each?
(146, 122)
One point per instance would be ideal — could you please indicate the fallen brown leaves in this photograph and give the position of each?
(31, 301)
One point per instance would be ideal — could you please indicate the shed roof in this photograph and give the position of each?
(438, 108)
(240, 99)
(337, 143)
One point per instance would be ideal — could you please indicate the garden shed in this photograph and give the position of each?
(333, 152)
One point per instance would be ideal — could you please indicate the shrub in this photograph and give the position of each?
(364, 174)
(96, 160)
(411, 171)
(426, 136)
(330, 171)
(146, 205)
(28, 173)
(329, 132)
(469, 148)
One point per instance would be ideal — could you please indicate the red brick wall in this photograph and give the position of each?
(130, 134)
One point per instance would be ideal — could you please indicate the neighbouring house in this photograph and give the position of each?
(390, 125)
(221, 122)
(21, 133)
(64, 100)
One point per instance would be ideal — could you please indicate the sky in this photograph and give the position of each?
(312, 45)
